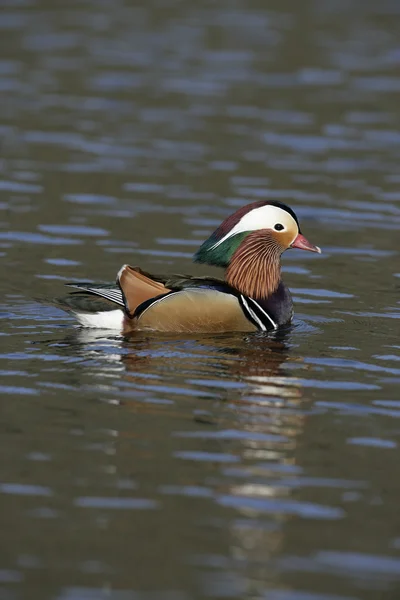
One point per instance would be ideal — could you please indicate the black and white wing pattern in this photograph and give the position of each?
(108, 291)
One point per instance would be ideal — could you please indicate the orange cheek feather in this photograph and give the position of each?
(283, 238)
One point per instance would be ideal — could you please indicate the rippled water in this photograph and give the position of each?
(229, 466)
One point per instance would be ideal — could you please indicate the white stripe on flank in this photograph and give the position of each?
(110, 319)
(159, 300)
(253, 315)
(274, 325)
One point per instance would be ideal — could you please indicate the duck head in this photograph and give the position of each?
(249, 244)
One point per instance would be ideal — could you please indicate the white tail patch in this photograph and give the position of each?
(110, 319)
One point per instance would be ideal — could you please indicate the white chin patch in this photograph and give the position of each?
(264, 217)
(110, 319)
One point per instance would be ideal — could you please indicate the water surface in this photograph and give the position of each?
(229, 466)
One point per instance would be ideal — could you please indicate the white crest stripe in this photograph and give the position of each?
(263, 217)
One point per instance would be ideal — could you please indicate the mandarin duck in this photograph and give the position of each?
(251, 297)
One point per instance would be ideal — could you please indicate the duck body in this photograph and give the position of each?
(251, 297)
(190, 305)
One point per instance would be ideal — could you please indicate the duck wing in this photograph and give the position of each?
(95, 297)
(182, 304)
(108, 291)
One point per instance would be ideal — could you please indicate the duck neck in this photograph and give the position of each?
(255, 268)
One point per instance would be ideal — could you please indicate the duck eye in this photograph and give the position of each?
(279, 227)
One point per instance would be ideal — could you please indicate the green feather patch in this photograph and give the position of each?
(221, 255)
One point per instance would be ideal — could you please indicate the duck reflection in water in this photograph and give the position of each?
(239, 371)
(252, 364)
(217, 413)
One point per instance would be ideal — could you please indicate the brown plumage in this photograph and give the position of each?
(255, 267)
(138, 287)
(192, 311)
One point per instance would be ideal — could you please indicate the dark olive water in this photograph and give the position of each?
(229, 466)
